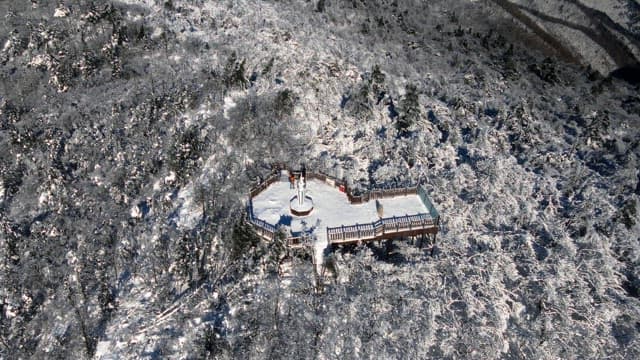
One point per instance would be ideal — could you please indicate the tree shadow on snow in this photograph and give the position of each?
(387, 251)
(285, 220)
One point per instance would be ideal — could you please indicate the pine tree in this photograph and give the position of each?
(410, 110)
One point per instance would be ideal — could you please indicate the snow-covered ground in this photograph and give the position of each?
(331, 209)
(533, 165)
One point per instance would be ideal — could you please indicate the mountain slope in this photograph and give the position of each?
(133, 131)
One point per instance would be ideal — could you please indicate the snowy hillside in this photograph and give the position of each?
(131, 132)
(602, 34)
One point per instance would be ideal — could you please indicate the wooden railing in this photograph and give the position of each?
(381, 228)
(269, 232)
(366, 197)
(298, 241)
(422, 194)
(265, 184)
(339, 184)
(263, 228)
(380, 194)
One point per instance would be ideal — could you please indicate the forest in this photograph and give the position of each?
(131, 132)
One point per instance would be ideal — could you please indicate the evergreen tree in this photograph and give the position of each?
(409, 110)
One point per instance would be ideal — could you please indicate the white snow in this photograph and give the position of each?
(229, 103)
(103, 350)
(9, 311)
(7, 45)
(44, 198)
(61, 12)
(39, 60)
(189, 210)
(171, 178)
(331, 209)
(135, 212)
(157, 33)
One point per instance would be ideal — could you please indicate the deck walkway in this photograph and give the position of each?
(339, 217)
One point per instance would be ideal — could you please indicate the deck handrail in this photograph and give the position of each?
(366, 231)
(373, 194)
(266, 228)
(380, 227)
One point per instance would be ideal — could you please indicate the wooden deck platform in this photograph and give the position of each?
(423, 224)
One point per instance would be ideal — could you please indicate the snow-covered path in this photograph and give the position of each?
(331, 209)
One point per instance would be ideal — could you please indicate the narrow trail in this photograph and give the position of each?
(601, 35)
(556, 45)
(603, 32)
(604, 19)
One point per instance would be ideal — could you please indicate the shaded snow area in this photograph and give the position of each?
(601, 34)
(331, 209)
